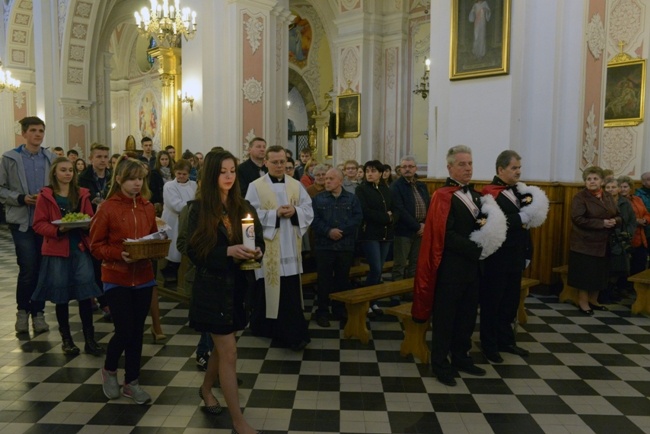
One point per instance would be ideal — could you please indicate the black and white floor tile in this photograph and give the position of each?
(584, 375)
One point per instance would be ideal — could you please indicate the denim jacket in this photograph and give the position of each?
(330, 212)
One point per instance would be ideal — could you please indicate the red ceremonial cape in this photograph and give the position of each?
(432, 245)
(493, 189)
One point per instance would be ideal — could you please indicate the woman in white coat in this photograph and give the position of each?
(176, 194)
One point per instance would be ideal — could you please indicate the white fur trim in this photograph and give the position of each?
(493, 233)
(537, 210)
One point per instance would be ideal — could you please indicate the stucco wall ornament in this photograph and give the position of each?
(618, 148)
(350, 64)
(625, 21)
(62, 13)
(253, 90)
(254, 29)
(591, 134)
(19, 99)
(596, 36)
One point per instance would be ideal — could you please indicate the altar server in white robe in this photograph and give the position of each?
(285, 210)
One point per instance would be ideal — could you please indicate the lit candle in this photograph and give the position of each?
(427, 64)
(154, 3)
(248, 232)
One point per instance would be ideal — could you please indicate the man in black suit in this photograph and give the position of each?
(447, 276)
(502, 275)
(254, 167)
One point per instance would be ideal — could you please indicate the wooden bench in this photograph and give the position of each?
(357, 302)
(642, 288)
(526, 284)
(569, 293)
(414, 333)
(356, 271)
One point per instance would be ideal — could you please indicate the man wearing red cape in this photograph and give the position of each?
(447, 276)
(500, 286)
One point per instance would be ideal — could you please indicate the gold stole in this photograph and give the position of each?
(272, 256)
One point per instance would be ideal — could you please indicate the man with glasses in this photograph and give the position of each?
(285, 211)
(411, 197)
(290, 167)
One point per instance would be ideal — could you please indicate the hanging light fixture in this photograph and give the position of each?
(422, 88)
(166, 23)
(7, 82)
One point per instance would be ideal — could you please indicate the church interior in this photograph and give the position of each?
(562, 83)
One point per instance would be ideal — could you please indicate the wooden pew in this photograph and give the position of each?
(414, 333)
(569, 293)
(642, 288)
(526, 284)
(356, 271)
(357, 302)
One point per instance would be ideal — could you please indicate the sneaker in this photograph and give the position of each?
(134, 391)
(202, 361)
(110, 386)
(38, 323)
(22, 322)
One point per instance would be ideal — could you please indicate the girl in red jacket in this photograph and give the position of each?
(66, 271)
(127, 283)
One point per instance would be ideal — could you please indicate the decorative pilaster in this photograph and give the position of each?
(171, 130)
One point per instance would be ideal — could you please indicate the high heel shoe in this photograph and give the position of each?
(598, 307)
(210, 409)
(589, 312)
(157, 337)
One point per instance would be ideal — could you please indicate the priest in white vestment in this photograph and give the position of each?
(284, 208)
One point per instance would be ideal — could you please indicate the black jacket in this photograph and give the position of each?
(376, 201)
(156, 185)
(87, 180)
(248, 172)
(218, 275)
(404, 200)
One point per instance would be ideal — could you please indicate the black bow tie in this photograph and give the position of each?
(465, 188)
(511, 187)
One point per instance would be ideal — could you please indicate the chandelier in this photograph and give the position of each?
(166, 23)
(7, 82)
(423, 87)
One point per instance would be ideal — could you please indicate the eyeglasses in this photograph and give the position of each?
(278, 162)
(289, 168)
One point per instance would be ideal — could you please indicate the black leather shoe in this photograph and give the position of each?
(493, 357)
(446, 378)
(514, 349)
(471, 369)
(598, 307)
(586, 311)
(322, 321)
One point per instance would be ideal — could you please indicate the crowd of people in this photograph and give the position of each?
(463, 248)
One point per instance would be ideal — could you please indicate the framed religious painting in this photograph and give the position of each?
(348, 114)
(625, 91)
(480, 38)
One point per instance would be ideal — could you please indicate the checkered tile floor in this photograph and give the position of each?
(584, 375)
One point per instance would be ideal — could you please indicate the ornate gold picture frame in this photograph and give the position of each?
(348, 114)
(480, 38)
(625, 91)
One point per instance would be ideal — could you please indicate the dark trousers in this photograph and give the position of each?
(28, 256)
(454, 318)
(499, 303)
(129, 308)
(85, 313)
(333, 269)
(97, 268)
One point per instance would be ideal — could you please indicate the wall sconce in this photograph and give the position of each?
(187, 100)
(113, 125)
(7, 82)
(422, 88)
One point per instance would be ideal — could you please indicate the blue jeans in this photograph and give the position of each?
(205, 344)
(376, 252)
(28, 256)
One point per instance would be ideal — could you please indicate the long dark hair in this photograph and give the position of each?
(73, 193)
(212, 209)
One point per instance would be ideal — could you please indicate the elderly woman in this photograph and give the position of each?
(619, 244)
(318, 186)
(639, 242)
(594, 216)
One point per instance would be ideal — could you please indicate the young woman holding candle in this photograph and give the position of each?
(217, 304)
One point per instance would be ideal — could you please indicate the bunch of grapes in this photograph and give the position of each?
(75, 217)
